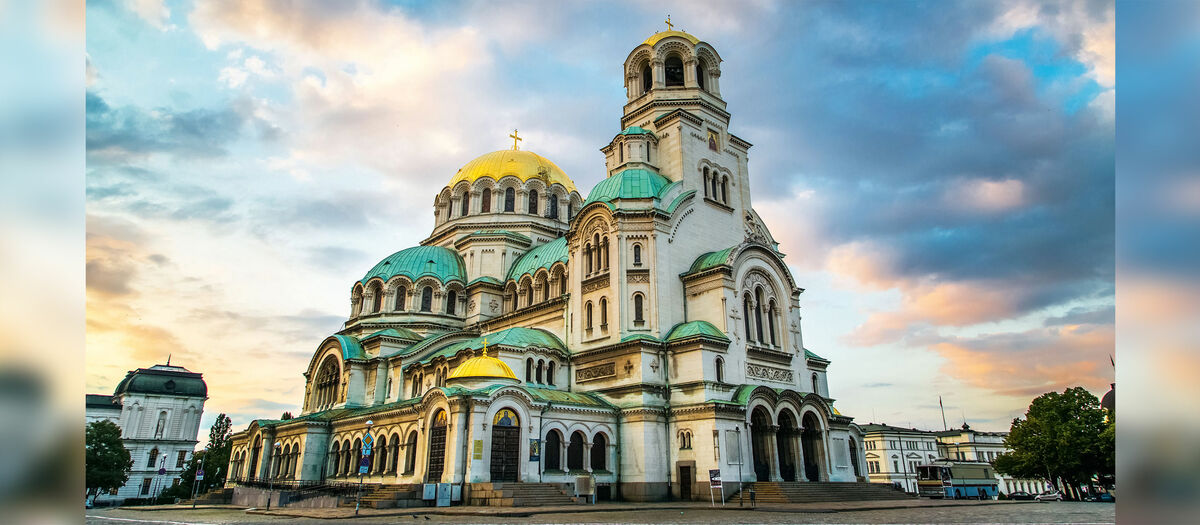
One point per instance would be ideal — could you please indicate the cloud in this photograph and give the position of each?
(120, 133)
(154, 12)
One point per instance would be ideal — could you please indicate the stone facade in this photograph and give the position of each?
(647, 334)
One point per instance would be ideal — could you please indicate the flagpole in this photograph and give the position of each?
(943, 407)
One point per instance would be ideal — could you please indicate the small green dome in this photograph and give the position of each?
(637, 130)
(543, 256)
(443, 264)
(629, 184)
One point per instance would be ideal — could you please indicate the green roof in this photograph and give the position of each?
(504, 233)
(557, 397)
(442, 263)
(808, 354)
(351, 349)
(695, 328)
(485, 279)
(543, 256)
(711, 260)
(632, 183)
(162, 379)
(643, 337)
(515, 337)
(637, 130)
(402, 333)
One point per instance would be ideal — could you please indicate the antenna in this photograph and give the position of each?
(943, 407)
(168, 359)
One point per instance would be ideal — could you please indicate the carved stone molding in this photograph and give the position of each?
(595, 283)
(593, 373)
(769, 373)
(637, 276)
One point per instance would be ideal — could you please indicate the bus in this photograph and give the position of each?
(956, 480)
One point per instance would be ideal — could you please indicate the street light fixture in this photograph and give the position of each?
(271, 474)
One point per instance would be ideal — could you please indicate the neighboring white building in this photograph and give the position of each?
(158, 410)
(966, 444)
(653, 327)
(892, 454)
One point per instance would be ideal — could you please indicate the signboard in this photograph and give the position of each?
(714, 478)
(429, 491)
(200, 475)
(477, 449)
(535, 449)
(443, 494)
(162, 471)
(367, 442)
(364, 464)
(734, 453)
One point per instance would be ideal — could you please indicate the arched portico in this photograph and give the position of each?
(813, 447)
(761, 437)
(789, 432)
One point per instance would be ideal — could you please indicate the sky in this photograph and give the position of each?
(939, 174)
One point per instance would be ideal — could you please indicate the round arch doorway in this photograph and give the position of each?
(760, 443)
(506, 446)
(813, 447)
(437, 448)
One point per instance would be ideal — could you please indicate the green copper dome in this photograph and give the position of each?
(543, 256)
(629, 184)
(443, 264)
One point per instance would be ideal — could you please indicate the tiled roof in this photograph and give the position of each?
(632, 183)
(543, 256)
(443, 264)
(695, 328)
(710, 260)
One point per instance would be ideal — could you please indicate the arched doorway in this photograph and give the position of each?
(814, 449)
(575, 451)
(437, 448)
(854, 457)
(760, 443)
(254, 457)
(506, 445)
(786, 437)
(553, 451)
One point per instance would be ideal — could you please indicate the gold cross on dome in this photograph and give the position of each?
(515, 139)
(669, 25)
(485, 339)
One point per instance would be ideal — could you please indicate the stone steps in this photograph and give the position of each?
(804, 492)
(520, 494)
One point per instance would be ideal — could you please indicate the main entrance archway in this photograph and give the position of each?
(437, 448)
(810, 440)
(788, 430)
(760, 443)
(506, 443)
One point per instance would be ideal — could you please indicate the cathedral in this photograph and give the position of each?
(642, 335)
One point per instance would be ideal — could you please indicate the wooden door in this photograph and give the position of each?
(685, 483)
(437, 455)
(506, 453)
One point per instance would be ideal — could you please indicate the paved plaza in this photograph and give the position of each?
(917, 511)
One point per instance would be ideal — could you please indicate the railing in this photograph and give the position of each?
(302, 490)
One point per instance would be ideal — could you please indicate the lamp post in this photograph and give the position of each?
(362, 467)
(162, 466)
(271, 473)
(741, 486)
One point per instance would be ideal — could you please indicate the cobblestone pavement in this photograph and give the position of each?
(1065, 512)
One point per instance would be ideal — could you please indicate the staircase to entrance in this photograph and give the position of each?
(522, 494)
(809, 492)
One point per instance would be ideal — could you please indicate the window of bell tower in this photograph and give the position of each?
(647, 78)
(673, 69)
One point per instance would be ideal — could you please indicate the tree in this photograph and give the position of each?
(107, 460)
(286, 416)
(216, 453)
(1062, 437)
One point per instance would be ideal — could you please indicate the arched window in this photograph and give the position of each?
(700, 73)
(713, 180)
(604, 256)
(603, 312)
(529, 296)
(587, 257)
(377, 301)
(746, 314)
(465, 205)
(151, 457)
(562, 284)
(410, 453)
(596, 244)
(771, 322)
(533, 203)
(816, 384)
(673, 71)
(724, 189)
(427, 299)
(638, 314)
(550, 373)
(335, 452)
(553, 206)
(758, 314)
(707, 183)
(637, 255)
(599, 452)
(720, 370)
(570, 209)
(575, 451)
(529, 370)
(647, 78)
(485, 205)
(327, 383)
(553, 450)
(451, 301)
(621, 153)
(401, 293)
(510, 197)
(541, 364)
(587, 315)
(394, 454)
(381, 457)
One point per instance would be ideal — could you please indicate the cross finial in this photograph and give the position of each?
(669, 25)
(515, 139)
(485, 339)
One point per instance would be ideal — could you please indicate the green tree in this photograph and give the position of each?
(1062, 437)
(286, 416)
(107, 460)
(214, 459)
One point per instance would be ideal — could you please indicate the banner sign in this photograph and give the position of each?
(535, 449)
(477, 450)
(714, 478)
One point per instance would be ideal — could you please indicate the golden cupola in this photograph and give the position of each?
(482, 370)
(524, 165)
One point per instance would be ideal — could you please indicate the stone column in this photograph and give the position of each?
(689, 73)
(773, 451)
(587, 456)
(660, 75)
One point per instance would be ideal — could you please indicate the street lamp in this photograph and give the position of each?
(271, 474)
(741, 486)
(362, 463)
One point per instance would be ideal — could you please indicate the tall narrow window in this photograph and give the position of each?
(529, 370)
(771, 322)
(510, 198)
(637, 255)
(550, 373)
(724, 189)
(587, 258)
(570, 209)
(604, 256)
(541, 364)
(647, 78)
(603, 312)
(553, 206)
(637, 308)
(758, 311)
(529, 296)
(562, 284)
(673, 71)
(700, 75)
(427, 299)
(465, 205)
(707, 184)
(596, 243)
(401, 293)
(451, 301)
(621, 153)
(746, 317)
(816, 384)
(533, 203)
(720, 370)
(587, 315)
(485, 205)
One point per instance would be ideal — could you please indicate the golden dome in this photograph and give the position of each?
(483, 366)
(524, 165)
(664, 34)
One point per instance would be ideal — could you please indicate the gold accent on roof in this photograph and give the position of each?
(524, 165)
(515, 139)
(664, 34)
(483, 365)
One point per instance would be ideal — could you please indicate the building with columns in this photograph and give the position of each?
(642, 335)
(159, 410)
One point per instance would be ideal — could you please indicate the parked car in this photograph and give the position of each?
(1019, 494)
(1053, 495)
(1102, 497)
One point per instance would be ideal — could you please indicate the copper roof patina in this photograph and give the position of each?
(443, 264)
